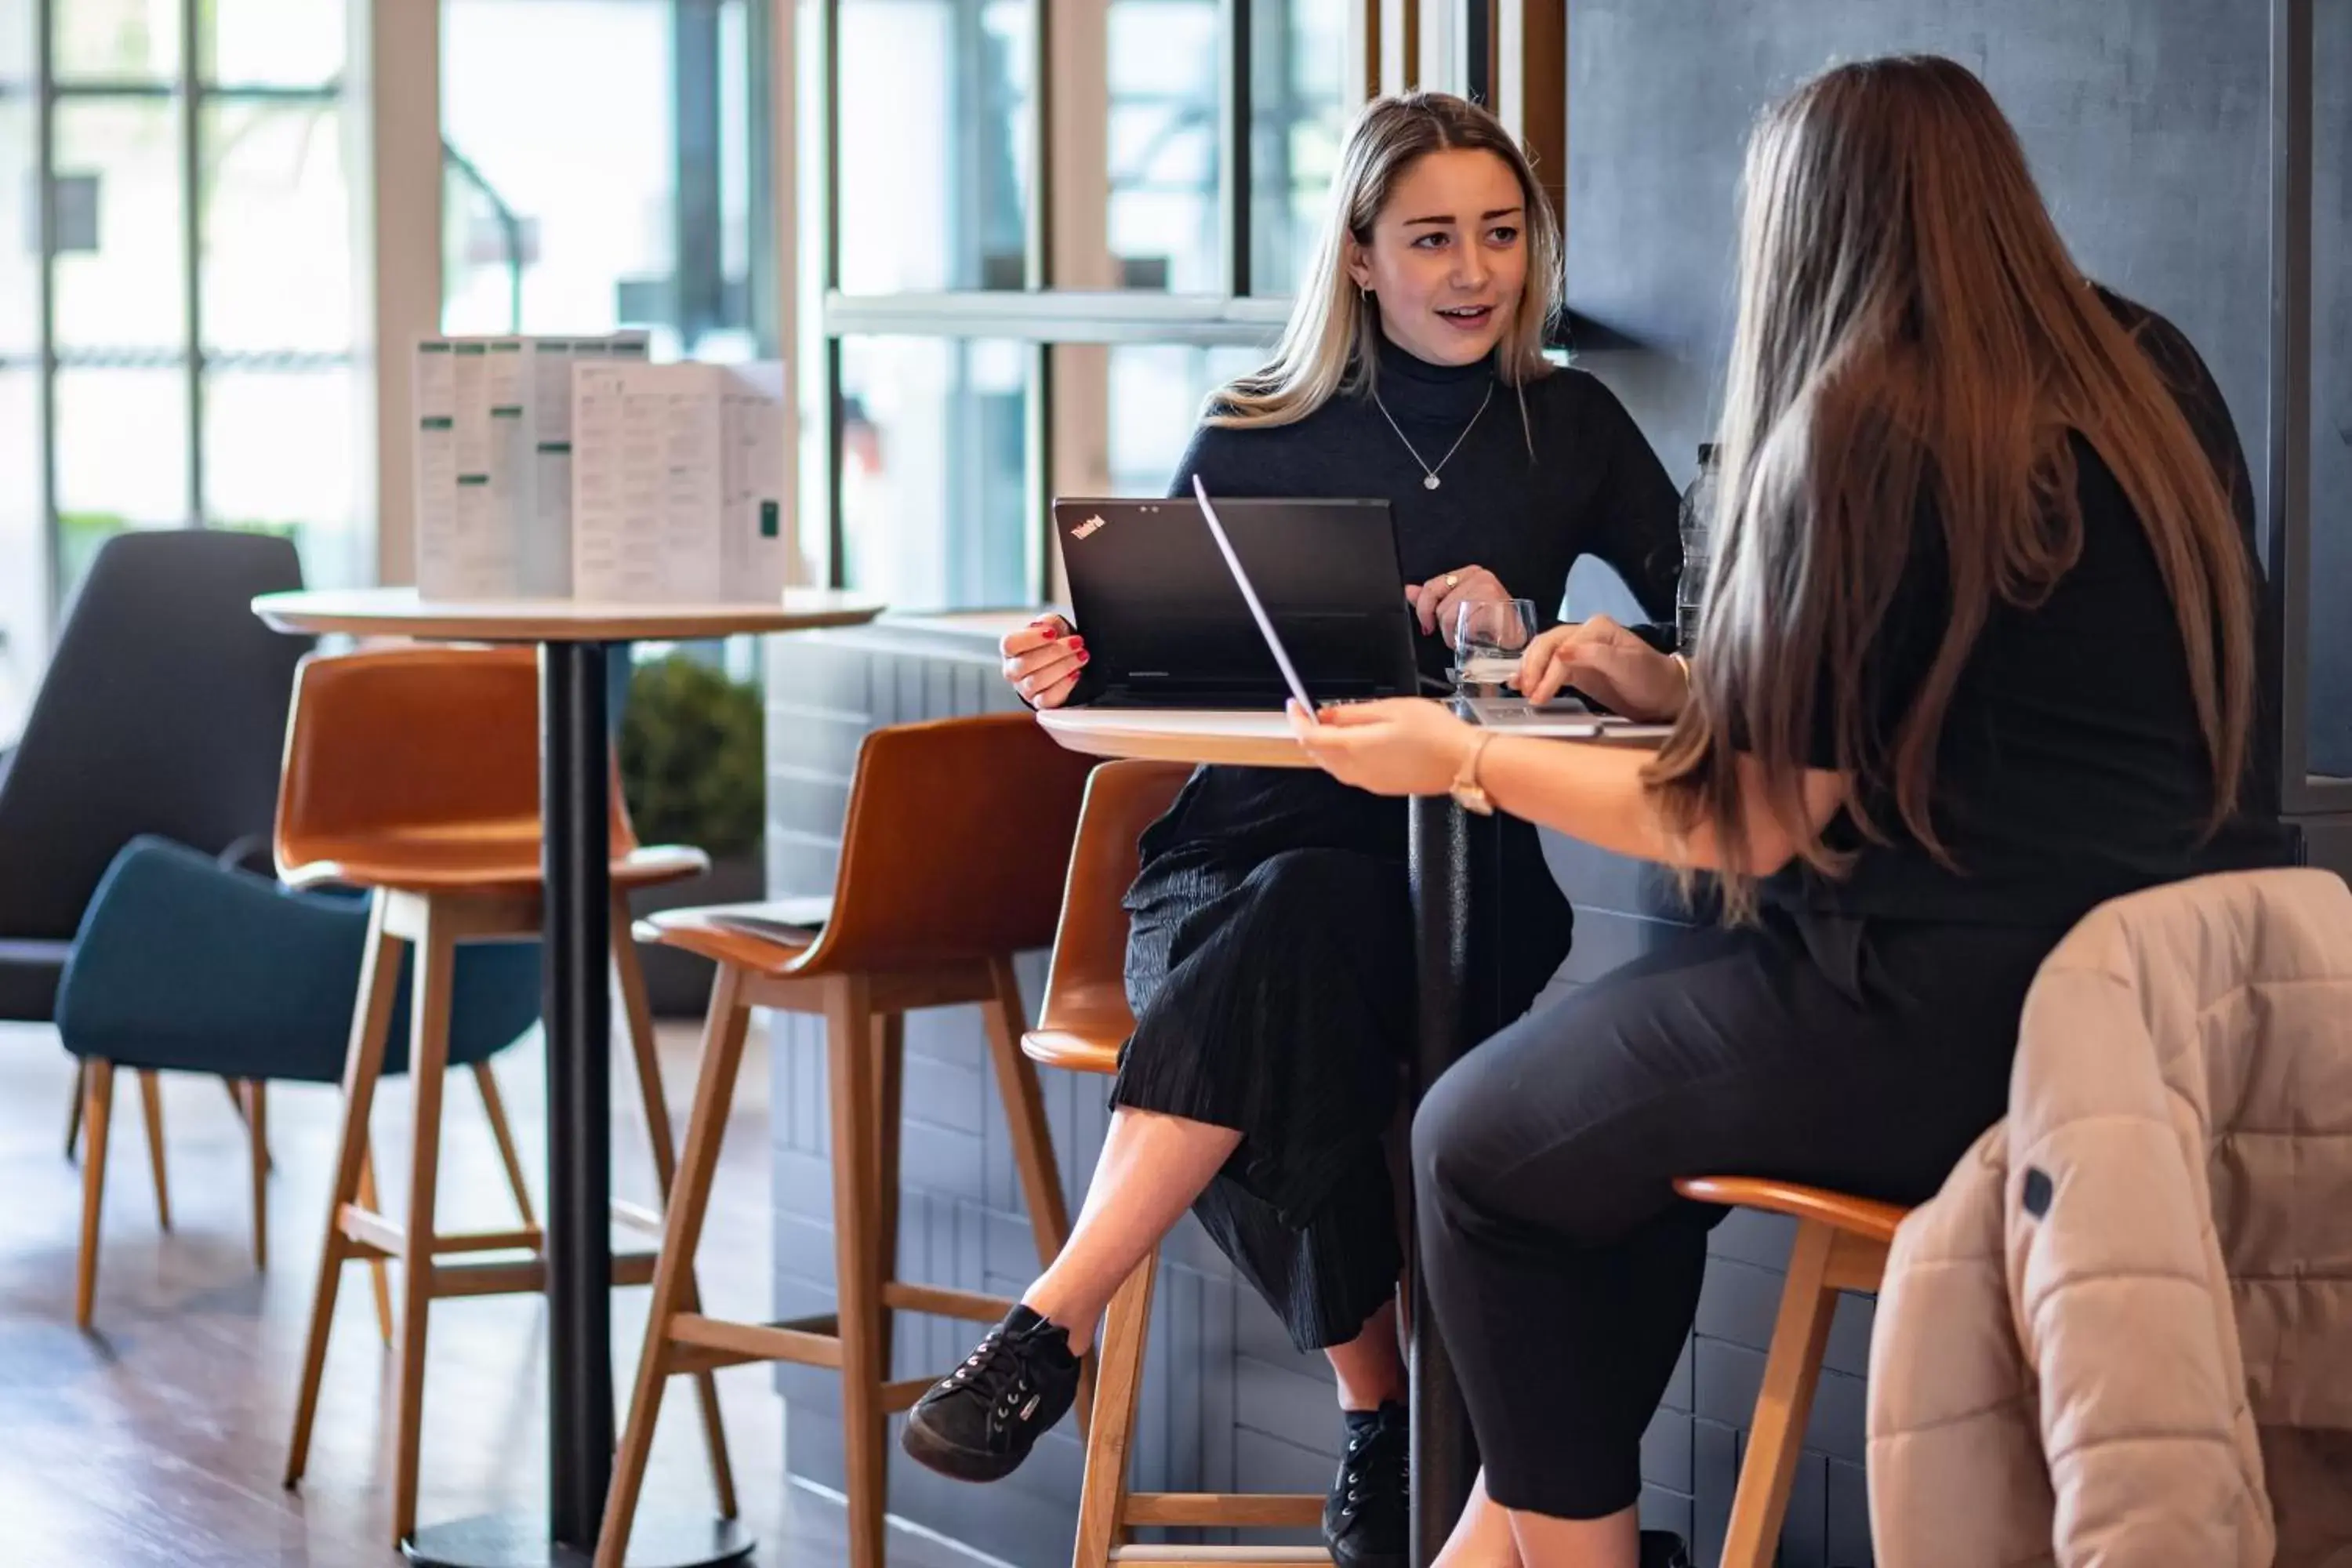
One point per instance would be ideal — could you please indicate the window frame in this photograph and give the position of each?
(191, 90)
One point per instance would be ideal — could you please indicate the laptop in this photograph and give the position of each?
(1168, 628)
(1565, 717)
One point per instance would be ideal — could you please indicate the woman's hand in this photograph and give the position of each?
(1436, 600)
(1608, 663)
(1404, 746)
(1043, 660)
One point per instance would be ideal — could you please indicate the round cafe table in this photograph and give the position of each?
(575, 752)
(1445, 1458)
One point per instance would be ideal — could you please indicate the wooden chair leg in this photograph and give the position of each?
(428, 1060)
(74, 1102)
(237, 1098)
(257, 1132)
(714, 1097)
(889, 1115)
(1033, 1143)
(645, 1048)
(1791, 1369)
(849, 1040)
(99, 1079)
(495, 1109)
(151, 1102)
(363, 1064)
(379, 1271)
(1102, 1495)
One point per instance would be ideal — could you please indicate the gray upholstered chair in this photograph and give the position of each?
(163, 712)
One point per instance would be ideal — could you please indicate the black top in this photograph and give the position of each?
(1545, 474)
(2071, 768)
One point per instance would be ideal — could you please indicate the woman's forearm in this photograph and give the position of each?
(1595, 793)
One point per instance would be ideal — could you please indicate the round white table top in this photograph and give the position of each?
(1248, 740)
(1226, 738)
(399, 612)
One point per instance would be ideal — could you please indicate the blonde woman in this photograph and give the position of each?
(1979, 655)
(1271, 960)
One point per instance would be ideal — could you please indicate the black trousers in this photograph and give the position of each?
(1859, 1056)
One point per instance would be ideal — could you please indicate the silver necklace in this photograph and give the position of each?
(1428, 474)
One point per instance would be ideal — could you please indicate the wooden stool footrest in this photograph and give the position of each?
(715, 1342)
(1224, 1510)
(1224, 1556)
(528, 1277)
(965, 1304)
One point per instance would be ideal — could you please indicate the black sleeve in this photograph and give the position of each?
(2192, 385)
(1636, 523)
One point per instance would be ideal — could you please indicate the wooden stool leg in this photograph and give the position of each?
(150, 1101)
(1791, 1369)
(1033, 1143)
(890, 1116)
(849, 1050)
(379, 1271)
(363, 1064)
(257, 1132)
(99, 1077)
(1102, 1495)
(428, 1059)
(646, 1048)
(714, 1097)
(495, 1109)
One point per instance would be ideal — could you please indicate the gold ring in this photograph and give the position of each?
(1454, 579)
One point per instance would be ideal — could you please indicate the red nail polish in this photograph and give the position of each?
(1084, 655)
(1053, 632)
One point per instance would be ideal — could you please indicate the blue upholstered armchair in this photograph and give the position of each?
(183, 965)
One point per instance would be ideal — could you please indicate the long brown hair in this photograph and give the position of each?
(1328, 346)
(1912, 329)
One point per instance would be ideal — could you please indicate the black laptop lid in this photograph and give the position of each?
(1166, 625)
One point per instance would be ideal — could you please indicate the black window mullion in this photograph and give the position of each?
(191, 248)
(1236, 144)
(44, 184)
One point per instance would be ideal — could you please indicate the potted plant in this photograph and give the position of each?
(693, 772)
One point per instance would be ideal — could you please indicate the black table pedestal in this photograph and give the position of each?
(575, 807)
(1445, 1453)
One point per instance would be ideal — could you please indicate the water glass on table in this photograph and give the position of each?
(1489, 637)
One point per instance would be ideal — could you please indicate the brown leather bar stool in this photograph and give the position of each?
(951, 862)
(1841, 1245)
(1084, 1022)
(414, 773)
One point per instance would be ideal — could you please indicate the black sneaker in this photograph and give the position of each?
(1663, 1549)
(980, 1422)
(1368, 1516)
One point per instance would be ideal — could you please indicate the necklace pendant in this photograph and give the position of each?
(1430, 483)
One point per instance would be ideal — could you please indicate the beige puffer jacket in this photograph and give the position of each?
(2132, 1302)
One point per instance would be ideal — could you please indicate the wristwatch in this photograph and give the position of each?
(1468, 793)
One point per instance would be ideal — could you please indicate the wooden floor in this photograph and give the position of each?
(159, 1438)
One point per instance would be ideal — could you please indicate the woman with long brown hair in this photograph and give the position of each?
(1978, 654)
(1270, 956)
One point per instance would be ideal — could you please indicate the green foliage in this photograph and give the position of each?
(692, 763)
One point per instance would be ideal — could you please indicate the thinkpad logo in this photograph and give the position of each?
(1088, 528)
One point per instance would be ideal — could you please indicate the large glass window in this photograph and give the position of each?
(935, 174)
(1155, 142)
(177, 310)
(610, 185)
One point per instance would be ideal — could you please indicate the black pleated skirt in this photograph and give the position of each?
(1276, 998)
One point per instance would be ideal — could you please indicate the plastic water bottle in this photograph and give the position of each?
(1697, 518)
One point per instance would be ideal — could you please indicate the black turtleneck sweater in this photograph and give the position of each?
(1546, 473)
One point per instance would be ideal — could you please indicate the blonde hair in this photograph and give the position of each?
(1912, 331)
(1331, 343)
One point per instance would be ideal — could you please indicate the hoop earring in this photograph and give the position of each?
(1367, 294)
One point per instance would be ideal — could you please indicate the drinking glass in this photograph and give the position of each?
(1489, 635)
